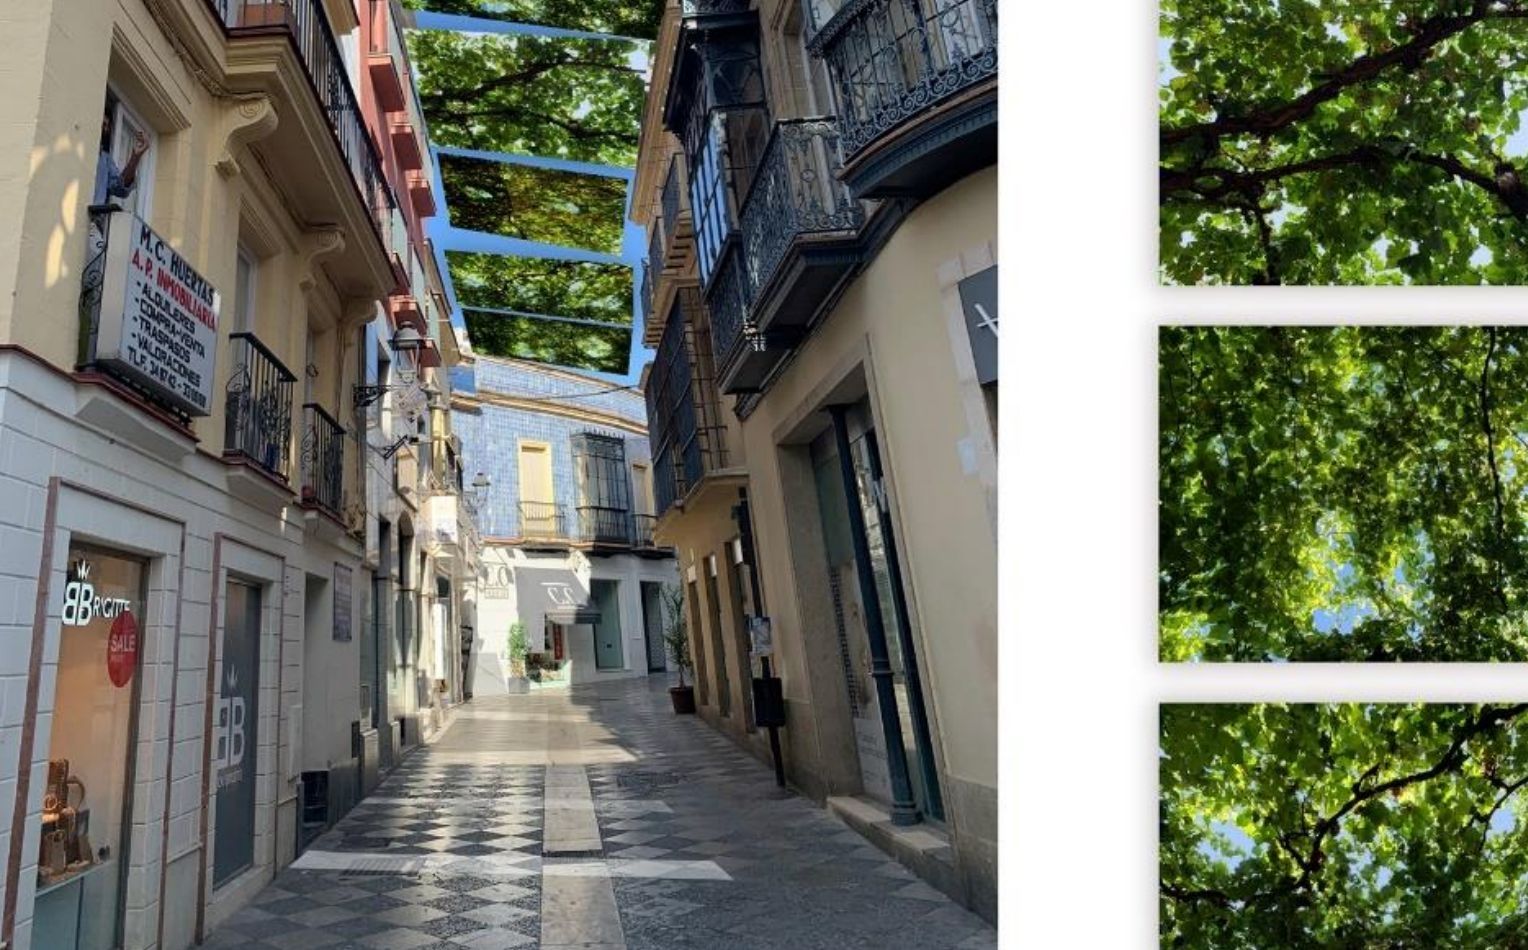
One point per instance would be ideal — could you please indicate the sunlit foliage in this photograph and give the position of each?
(1348, 493)
(535, 204)
(1367, 827)
(586, 346)
(1344, 141)
(536, 285)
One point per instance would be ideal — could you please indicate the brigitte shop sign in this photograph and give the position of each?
(81, 605)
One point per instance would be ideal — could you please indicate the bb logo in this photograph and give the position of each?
(228, 729)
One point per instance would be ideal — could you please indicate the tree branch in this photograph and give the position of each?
(1276, 116)
(1485, 424)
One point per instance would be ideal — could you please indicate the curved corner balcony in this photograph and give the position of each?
(916, 83)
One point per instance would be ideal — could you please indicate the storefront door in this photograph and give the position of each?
(88, 793)
(607, 632)
(234, 736)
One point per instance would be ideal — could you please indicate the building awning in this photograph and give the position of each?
(553, 593)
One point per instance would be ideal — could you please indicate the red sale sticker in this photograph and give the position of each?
(122, 650)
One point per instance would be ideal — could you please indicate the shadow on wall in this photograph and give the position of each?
(489, 677)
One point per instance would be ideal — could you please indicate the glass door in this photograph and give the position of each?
(234, 733)
(88, 792)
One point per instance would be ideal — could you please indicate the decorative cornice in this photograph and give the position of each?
(470, 403)
(316, 243)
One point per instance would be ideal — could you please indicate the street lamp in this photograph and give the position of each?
(405, 341)
(479, 492)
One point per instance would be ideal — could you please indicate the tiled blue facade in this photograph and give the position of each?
(491, 436)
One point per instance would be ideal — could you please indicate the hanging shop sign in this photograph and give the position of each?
(158, 319)
(81, 605)
(122, 650)
(978, 298)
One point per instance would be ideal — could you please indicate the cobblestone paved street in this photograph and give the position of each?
(485, 840)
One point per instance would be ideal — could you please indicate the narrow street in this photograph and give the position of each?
(593, 818)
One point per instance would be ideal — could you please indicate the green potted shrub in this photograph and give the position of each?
(519, 647)
(677, 639)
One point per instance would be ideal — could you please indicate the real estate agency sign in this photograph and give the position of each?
(158, 318)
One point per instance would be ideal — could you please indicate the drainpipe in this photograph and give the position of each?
(903, 810)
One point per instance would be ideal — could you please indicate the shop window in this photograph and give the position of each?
(87, 798)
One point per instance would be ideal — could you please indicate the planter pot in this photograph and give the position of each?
(683, 698)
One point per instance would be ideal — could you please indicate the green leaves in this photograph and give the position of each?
(1363, 826)
(578, 345)
(532, 95)
(1303, 140)
(1328, 493)
(543, 286)
(535, 204)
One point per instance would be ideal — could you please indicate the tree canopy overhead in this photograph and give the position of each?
(1343, 493)
(535, 204)
(604, 349)
(1368, 827)
(1344, 141)
(616, 17)
(542, 285)
(532, 95)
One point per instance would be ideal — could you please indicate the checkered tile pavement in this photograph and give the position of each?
(794, 876)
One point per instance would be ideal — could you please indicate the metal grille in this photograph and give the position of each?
(307, 26)
(835, 587)
(323, 459)
(796, 193)
(683, 417)
(604, 493)
(258, 410)
(894, 59)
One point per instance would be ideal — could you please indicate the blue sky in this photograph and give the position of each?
(445, 237)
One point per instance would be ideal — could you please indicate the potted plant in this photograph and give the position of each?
(677, 639)
(519, 647)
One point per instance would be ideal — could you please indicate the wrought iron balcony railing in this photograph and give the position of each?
(892, 60)
(795, 195)
(323, 460)
(604, 525)
(306, 24)
(732, 328)
(673, 199)
(642, 531)
(683, 417)
(542, 521)
(258, 411)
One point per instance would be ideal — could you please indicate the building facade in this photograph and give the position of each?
(820, 194)
(568, 551)
(206, 216)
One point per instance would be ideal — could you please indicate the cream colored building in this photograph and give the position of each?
(186, 566)
(821, 198)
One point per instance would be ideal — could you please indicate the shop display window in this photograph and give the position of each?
(88, 785)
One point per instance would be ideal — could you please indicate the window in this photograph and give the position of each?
(244, 291)
(604, 493)
(121, 128)
(538, 510)
(642, 488)
(708, 200)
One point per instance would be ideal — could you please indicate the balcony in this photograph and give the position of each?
(323, 461)
(916, 86)
(257, 414)
(642, 532)
(604, 527)
(799, 225)
(684, 420)
(744, 354)
(269, 40)
(418, 182)
(387, 63)
(678, 238)
(543, 526)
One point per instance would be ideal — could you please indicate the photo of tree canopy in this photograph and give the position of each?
(1343, 142)
(1352, 826)
(552, 97)
(544, 286)
(638, 20)
(603, 349)
(535, 204)
(1343, 493)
